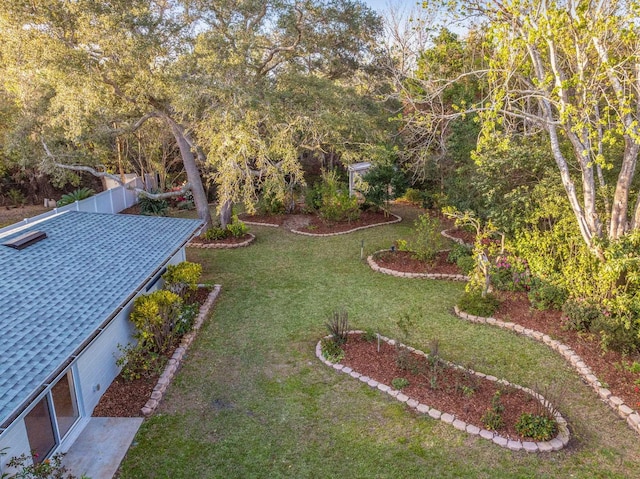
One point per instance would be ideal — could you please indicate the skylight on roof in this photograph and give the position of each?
(26, 239)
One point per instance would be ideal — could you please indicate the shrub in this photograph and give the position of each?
(414, 196)
(338, 327)
(154, 316)
(473, 303)
(237, 228)
(48, 469)
(492, 419)
(186, 318)
(215, 233)
(399, 383)
(182, 278)
(76, 195)
(331, 350)
(382, 184)
(510, 273)
(17, 197)
(466, 264)
(369, 336)
(137, 362)
(546, 295)
(580, 314)
(428, 240)
(538, 428)
(332, 201)
(152, 207)
(459, 251)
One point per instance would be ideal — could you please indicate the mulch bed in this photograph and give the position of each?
(367, 218)
(467, 236)
(126, 398)
(448, 395)
(607, 366)
(404, 262)
(276, 220)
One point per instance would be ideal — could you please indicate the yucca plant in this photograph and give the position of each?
(77, 195)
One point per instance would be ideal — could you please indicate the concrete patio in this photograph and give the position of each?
(101, 446)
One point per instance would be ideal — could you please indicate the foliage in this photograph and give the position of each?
(426, 240)
(338, 327)
(472, 302)
(369, 335)
(510, 273)
(154, 315)
(581, 314)
(466, 264)
(492, 418)
(186, 318)
(384, 183)
(153, 207)
(51, 468)
(137, 362)
(182, 278)
(76, 195)
(414, 196)
(459, 251)
(331, 350)
(538, 428)
(237, 228)
(335, 203)
(17, 197)
(399, 383)
(546, 295)
(215, 233)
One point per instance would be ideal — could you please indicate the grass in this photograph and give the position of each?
(252, 400)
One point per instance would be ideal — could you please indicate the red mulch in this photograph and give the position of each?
(229, 240)
(126, 398)
(467, 236)
(447, 396)
(607, 366)
(404, 262)
(318, 226)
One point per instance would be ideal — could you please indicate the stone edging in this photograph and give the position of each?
(174, 362)
(223, 245)
(306, 233)
(376, 267)
(555, 444)
(617, 404)
(257, 223)
(446, 234)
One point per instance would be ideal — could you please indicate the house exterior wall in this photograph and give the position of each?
(95, 366)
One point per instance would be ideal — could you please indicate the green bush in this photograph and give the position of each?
(581, 314)
(399, 383)
(331, 350)
(492, 419)
(427, 239)
(48, 469)
(339, 207)
(137, 362)
(466, 264)
(182, 278)
(215, 233)
(77, 195)
(151, 207)
(414, 196)
(546, 295)
(154, 316)
(473, 303)
(538, 428)
(459, 251)
(237, 228)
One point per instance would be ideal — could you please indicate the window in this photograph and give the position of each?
(65, 404)
(40, 431)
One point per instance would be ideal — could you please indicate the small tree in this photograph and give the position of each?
(383, 184)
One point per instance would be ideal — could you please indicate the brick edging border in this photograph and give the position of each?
(446, 234)
(376, 267)
(617, 404)
(257, 223)
(306, 233)
(174, 362)
(555, 444)
(223, 245)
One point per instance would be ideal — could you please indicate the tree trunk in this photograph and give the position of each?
(225, 213)
(193, 173)
(620, 205)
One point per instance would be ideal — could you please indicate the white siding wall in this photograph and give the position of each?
(14, 442)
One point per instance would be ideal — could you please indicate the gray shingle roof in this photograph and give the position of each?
(54, 294)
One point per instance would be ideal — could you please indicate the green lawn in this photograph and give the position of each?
(251, 399)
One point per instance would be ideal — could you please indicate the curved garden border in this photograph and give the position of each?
(376, 267)
(306, 233)
(555, 444)
(257, 223)
(176, 359)
(447, 235)
(247, 242)
(617, 404)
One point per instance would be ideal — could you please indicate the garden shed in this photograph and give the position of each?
(67, 288)
(356, 171)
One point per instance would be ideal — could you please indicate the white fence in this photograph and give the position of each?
(110, 201)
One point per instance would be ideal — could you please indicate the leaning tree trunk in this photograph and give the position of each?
(193, 173)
